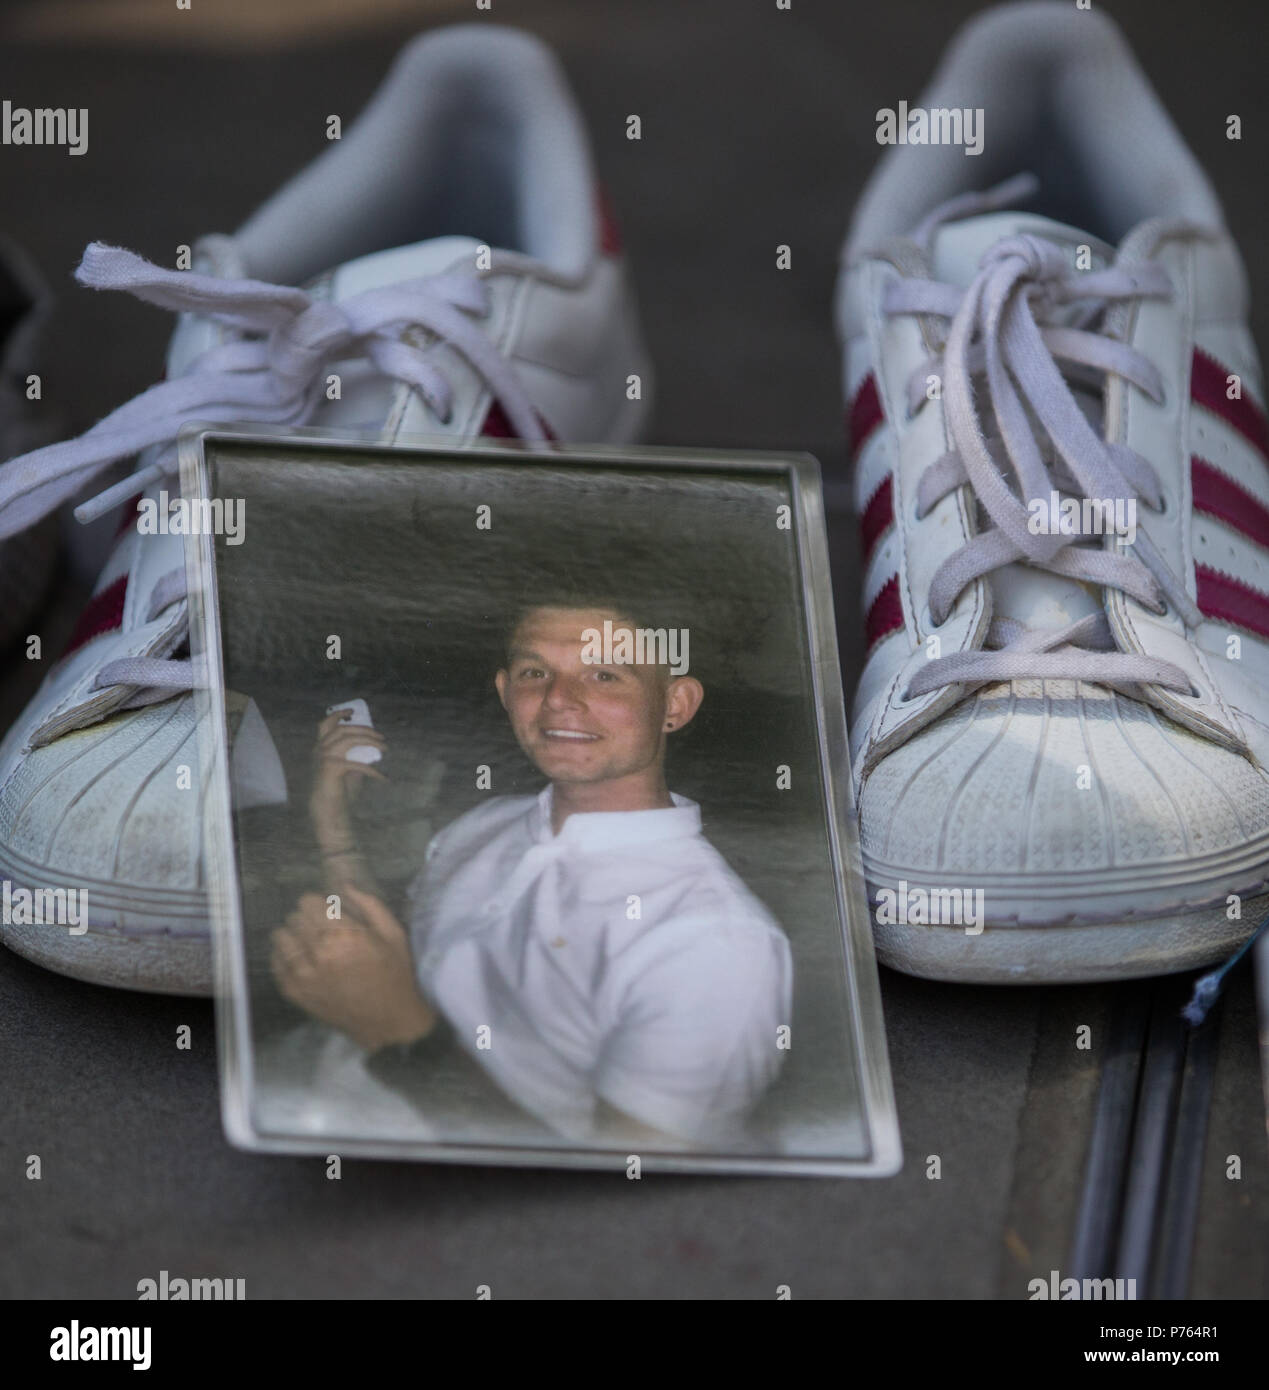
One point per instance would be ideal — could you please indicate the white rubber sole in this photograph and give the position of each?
(1096, 896)
(1056, 954)
(160, 952)
(157, 964)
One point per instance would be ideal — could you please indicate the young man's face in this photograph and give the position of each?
(581, 722)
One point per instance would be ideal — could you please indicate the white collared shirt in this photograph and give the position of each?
(621, 959)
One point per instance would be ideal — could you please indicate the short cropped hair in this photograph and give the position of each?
(638, 613)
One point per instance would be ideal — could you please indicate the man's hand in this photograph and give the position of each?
(355, 973)
(336, 779)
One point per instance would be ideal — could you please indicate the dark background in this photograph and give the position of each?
(758, 129)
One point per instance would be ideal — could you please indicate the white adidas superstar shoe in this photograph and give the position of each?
(472, 143)
(1061, 459)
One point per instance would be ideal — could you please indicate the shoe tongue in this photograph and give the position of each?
(367, 396)
(960, 246)
(383, 268)
(1032, 597)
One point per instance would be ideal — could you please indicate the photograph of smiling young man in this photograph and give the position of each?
(587, 947)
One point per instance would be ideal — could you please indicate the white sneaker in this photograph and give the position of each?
(1060, 741)
(472, 142)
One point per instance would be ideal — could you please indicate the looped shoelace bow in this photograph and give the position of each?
(270, 370)
(1002, 328)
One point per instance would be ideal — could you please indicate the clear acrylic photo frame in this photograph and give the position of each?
(880, 1154)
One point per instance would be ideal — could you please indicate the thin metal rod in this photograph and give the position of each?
(1178, 1220)
(1097, 1223)
(1153, 1133)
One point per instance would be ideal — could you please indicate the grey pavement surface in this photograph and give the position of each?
(758, 130)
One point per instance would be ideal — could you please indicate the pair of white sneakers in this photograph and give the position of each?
(1060, 735)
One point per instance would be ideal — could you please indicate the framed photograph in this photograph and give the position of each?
(529, 822)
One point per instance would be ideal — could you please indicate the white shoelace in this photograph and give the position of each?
(271, 370)
(1001, 330)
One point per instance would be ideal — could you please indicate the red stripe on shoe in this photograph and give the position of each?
(885, 614)
(864, 416)
(497, 426)
(1208, 388)
(1230, 601)
(877, 519)
(102, 613)
(1220, 496)
(609, 229)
